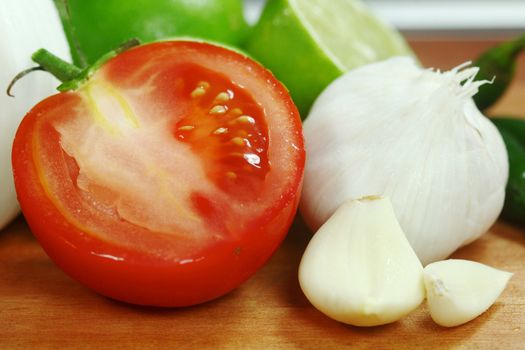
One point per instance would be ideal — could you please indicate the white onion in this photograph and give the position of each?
(25, 26)
(394, 129)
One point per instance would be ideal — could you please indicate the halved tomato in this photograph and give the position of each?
(167, 178)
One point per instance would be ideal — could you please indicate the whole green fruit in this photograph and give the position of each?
(95, 27)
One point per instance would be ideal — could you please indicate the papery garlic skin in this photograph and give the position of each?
(359, 268)
(414, 135)
(461, 290)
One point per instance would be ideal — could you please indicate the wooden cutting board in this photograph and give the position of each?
(41, 307)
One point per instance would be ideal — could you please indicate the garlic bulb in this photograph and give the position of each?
(25, 27)
(394, 129)
(359, 267)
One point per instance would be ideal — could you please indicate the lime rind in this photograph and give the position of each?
(280, 42)
(309, 43)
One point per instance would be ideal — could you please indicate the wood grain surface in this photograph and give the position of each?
(41, 307)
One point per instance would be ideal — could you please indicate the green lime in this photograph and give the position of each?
(309, 43)
(96, 27)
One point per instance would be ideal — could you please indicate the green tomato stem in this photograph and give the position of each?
(20, 76)
(71, 76)
(59, 68)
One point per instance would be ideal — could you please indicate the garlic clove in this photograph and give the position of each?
(359, 268)
(460, 290)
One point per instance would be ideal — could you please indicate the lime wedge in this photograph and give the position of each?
(309, 43)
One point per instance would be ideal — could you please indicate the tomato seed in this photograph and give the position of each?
(231, 175)
(222, 97)
(239, 141)
(220, 131)
(204, 84)
(243, 134)
(245, 119)
(218, 109)
(200, 91)
(236, 111)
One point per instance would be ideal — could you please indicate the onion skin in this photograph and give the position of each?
(26, 26)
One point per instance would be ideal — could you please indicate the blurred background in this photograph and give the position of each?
(463, 17)
(438, 17)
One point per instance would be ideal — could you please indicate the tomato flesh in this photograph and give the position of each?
(168, 178)
(226, 128)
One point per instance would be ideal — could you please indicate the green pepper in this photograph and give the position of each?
(498, 62)
(513, 132)
(95, 27)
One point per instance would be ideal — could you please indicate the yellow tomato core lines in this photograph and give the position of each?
(101, 90)
(130, 163)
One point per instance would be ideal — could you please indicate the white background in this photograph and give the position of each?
(439, 15)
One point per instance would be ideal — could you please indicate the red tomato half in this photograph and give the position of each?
(168, 178)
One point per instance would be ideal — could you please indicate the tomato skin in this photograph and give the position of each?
(130, 275)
